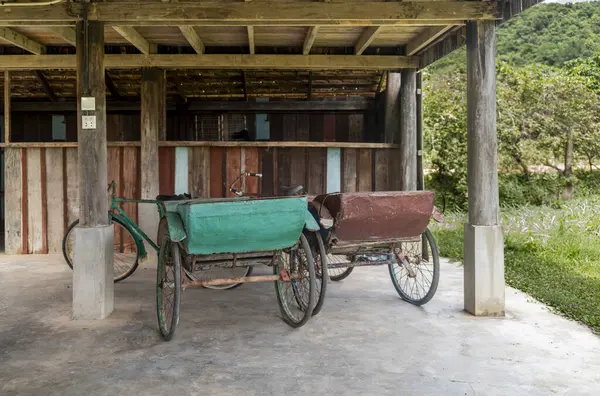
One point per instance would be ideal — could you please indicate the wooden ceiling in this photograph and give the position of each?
(380, 35)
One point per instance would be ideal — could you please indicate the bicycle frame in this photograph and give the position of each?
(116, 211)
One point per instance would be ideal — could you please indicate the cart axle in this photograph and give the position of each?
(238, 279)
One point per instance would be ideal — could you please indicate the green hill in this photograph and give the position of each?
(552, 34)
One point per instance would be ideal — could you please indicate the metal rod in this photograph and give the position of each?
(362, 263)
(237, 279)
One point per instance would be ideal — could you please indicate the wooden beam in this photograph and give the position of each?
(6, 106)
(192, 37)
(21, 41)
(251, 40)
(365, 39)
(426, 37)
(136, 39)
(64, 14)
(112, 88)
(354, 105)
(311, 35)
(45, 85)
(221, 61)
(269, 13)
(66, 33)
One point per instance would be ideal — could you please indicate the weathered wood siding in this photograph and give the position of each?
(42, 194)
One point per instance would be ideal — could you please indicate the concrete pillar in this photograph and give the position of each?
(391, 117)
(408, 130)
(93, 257)
(484, 250)
(153, 124)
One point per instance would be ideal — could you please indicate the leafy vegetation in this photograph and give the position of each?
(548, 118)
(550, 253)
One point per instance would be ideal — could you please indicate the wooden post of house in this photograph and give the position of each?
(420, 170)
(153, 124)
(391, 123)
(408, 130)
(93, 256)
(484, 255)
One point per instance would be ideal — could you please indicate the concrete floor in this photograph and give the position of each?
(365, 342)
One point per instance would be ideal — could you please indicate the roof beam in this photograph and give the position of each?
(311, 35)
(426, 37)
(112, 88)
(365, 39)
(192, 37)
(268, 13)
(136, 39)
(66, 33)
(220, 61)
(21, 41)
(45, 85)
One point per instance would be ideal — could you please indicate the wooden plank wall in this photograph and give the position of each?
(211, 170)
(42, 194)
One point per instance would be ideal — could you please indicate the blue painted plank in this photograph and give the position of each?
(334, 174)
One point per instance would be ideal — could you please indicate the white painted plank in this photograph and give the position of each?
(12, 198)
(72, 185)
(34, 201)
(181, 170)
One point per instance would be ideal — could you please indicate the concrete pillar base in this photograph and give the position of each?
(148, 220)
(93, 287)
(484, 270)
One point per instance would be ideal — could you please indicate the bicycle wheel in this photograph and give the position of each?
(321, 271)
(338, 274)
(125, 256)
(168, 288)
(416, 280)
(296, 295)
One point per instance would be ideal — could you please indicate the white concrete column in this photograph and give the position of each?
(484, 242)
(408, 130)
(93, 251)
(153, 124)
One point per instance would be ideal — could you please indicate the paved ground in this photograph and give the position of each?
(365, 342)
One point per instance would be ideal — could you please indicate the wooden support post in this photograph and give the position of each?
(6, 106)
(408, 130)
(391, 123)
(93, 293)
(45, 85)
(484, 254)
(420, 171)
(153, 124)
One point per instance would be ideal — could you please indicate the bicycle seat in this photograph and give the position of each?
(179, 197)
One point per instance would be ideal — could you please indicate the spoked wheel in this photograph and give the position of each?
(219, 273)
(168, 287)
(417, 276)
(296, 291)
(321, 271)
(126, 255)
(338, 274)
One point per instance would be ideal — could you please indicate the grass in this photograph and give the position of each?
(551, 253)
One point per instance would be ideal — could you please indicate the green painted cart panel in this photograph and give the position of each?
(240, 225)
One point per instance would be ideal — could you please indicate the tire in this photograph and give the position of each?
(406, 285)
(124, 263)
(296, 298)
(321, 271)
(168, 288)
(338, 274)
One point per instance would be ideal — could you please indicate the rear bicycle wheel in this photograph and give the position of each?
(168, 288)
(416, 278)
(338, 274)
(125, 255)
(296, 291)
(321, 271)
